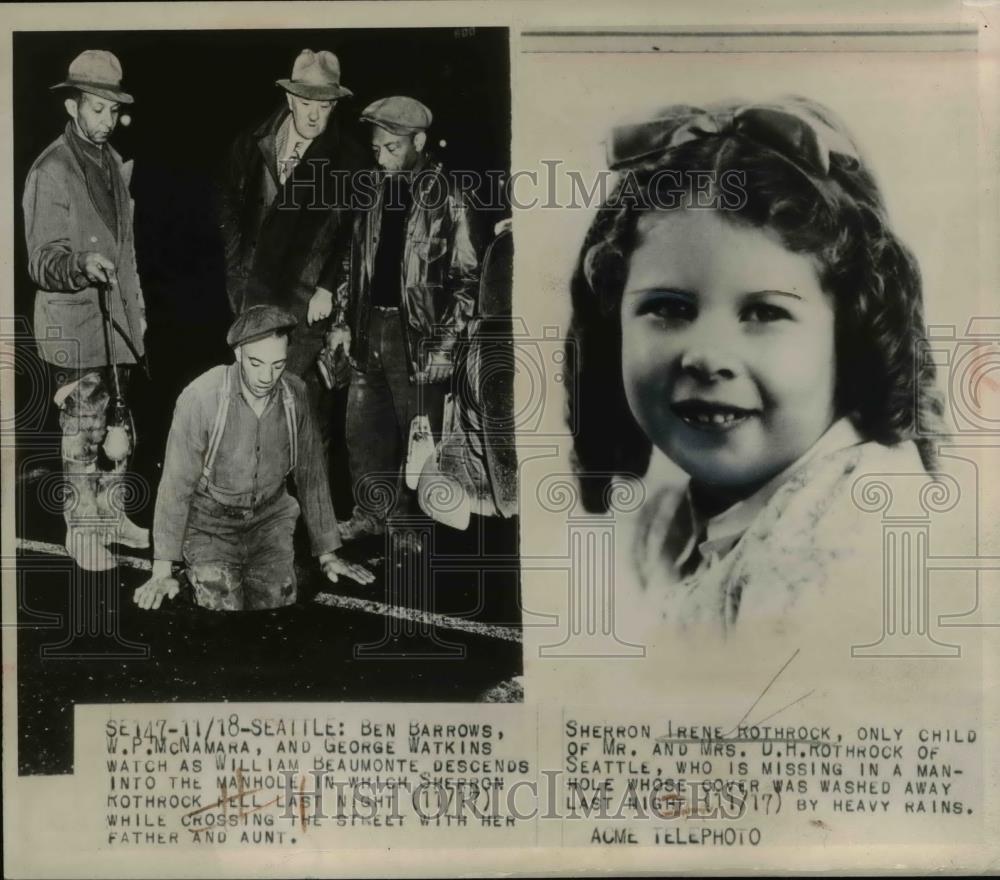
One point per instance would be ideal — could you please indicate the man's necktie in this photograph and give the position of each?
(286, 167)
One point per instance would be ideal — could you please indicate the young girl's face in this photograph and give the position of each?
(727, 347)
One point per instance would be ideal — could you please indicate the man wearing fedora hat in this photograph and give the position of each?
(78, 227)
(284, 211)
(222, 507)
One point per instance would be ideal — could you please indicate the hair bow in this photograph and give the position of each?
(791, 129)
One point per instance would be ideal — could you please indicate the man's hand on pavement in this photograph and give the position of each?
(151, 594)
(334, 567)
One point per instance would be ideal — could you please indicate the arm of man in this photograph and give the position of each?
(182, 464)
(327, 298)
(463, 290)
(229, 196)
(314, 497)
(312, 482)
(52, 262)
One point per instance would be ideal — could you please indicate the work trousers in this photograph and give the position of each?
(381, 404)
(241, 558)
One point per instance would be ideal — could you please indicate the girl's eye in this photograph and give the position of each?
(669, 308)
(765, 313)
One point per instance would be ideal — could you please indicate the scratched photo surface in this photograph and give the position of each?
(439, 623)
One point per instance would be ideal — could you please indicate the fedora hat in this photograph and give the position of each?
(316, 77)
(97, 72)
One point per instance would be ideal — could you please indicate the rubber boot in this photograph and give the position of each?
(86, 528)
(111, 496)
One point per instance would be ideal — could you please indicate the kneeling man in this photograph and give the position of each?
(238, 432)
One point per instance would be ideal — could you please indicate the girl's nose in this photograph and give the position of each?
(709, 359)
(708, 364)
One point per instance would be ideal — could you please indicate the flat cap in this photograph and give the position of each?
(398, 114)
(257, 322)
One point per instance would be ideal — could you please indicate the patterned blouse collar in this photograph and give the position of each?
(715, 536)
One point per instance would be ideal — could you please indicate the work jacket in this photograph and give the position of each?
(439, 271)
(62, 224)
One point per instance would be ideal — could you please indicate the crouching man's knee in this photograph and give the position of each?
(216, 586)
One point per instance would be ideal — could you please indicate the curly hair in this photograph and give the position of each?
(837, 217)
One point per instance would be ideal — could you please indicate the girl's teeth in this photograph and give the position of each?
(714, 418)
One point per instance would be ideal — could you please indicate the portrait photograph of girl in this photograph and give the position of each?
(758, 323)
(749, 305)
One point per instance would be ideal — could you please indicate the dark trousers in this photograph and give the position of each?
(304, 346)
(381, 404)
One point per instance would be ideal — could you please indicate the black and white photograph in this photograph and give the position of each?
(760, 326)
(489, 438)
(263, 436)
(761, 264)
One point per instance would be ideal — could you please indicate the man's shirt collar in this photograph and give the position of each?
(287, 139)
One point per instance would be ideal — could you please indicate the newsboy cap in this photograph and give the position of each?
(398, 114)
(315, 77)
(99, 73)
(257, 322)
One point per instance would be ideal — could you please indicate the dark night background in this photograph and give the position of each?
(194, 92)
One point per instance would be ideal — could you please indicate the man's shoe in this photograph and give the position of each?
(360, 526)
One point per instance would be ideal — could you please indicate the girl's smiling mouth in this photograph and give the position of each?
(708, 415)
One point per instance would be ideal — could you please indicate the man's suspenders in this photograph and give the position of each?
(219, 427)
(288, 402)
